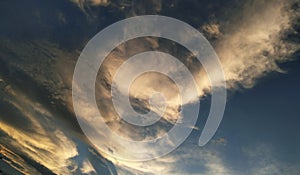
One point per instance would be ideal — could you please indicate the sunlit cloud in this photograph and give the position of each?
(16, 161)
(249, 47)
(40, 139)
(87, 167)
(254, 44)
(83, 3)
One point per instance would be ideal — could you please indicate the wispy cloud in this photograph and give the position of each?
(249, 44)
(84, 3)
(254, 44)
(40, 139)
(263, 160)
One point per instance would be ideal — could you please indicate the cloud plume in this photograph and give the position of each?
(250, 45)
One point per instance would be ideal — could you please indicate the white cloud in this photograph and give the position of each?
(251, 46)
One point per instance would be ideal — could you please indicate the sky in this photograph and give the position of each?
(257, 43)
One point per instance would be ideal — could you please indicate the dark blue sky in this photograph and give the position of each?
(267, 114)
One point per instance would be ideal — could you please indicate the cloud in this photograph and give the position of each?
(219, 141)
(42, 141)
(17, 162)
(263, 160)
(254, 43)
(83, 3)
(250, 45)
(188, 160)
(212, 30)
(87, 167)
